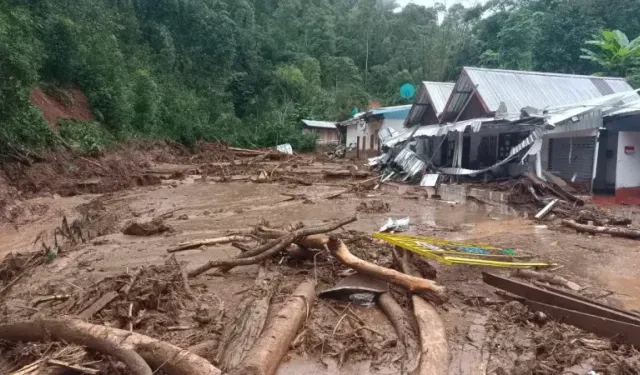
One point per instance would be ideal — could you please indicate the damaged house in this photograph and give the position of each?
(502, 122)
(365, 130)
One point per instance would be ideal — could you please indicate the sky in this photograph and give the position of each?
(448, 3)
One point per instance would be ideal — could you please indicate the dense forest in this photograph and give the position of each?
(246, 71)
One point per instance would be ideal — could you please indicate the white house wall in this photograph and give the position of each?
(628, 164)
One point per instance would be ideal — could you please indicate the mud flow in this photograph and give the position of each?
(217, 259)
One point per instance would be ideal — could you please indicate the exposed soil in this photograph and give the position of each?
(71, 104)
(214, 193)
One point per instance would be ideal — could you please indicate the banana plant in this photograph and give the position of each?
(614, 52)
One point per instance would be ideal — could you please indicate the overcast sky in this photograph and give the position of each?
(448, 3)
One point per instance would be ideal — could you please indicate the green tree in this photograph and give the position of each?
(614, 53)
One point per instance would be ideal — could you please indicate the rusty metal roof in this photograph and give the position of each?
(519, 89)
(431, 96)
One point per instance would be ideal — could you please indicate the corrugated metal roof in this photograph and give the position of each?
(320, 124)
(519, 89)
(431, 95)
(396, 112)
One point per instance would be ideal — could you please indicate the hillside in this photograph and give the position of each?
(246, 71)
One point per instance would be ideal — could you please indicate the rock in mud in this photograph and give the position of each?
(150, 228)
(375, 206)
(183, 217)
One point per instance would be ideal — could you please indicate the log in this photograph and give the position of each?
(254, 257)
(551, 279)
(208, 242)
(206, 349)
(297, 180)
(615, 232)
(354, 174)
(115, 342)
(273, 345)
(434, 356)
(434, 359)
(239, 336)
(546, 209)
(405, 331)
(98, 305)
(75, 332)
(419, 285)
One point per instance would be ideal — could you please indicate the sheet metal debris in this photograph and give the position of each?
(285, 149)
(410, 162)
(430, 180)
(354, 286)
(396, 225)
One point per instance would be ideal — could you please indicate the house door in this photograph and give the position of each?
(466, 152)
(572, 156)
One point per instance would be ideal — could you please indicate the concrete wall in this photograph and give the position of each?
(325, 136)
(352, 134)
(628, 168)
(611, 164)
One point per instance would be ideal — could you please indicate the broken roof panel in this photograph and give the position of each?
(320, 124)
(519, 89)
(431, 95)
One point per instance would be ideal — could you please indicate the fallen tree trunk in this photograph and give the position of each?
(65, 330)
(249, 319)
(434, 356)
(264, 252)
(411, 283)
(273, 345)
(434, 359)
(208, 242)
(405, 331)
(615, 232)
(112, 341)
(551, 279)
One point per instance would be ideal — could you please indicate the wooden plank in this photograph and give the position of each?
(547, 209)
(613, 329)
(555, 299)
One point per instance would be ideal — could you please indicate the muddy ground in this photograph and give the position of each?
(487, 335)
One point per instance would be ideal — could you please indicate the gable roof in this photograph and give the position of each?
(319, 124)
(519, 89)
(431, 95)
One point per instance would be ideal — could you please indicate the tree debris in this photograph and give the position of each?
(419, 285)
(615, 232)
(551, 279)
(274, 342)
(207, 242)
(149, 228)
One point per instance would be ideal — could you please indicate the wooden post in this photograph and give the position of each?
(358, 147)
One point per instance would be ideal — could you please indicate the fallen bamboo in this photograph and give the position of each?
(434, 347)
(137, 351)
(272, 346)
(615, 232)
(551, 279)
(413, 284)
(208, 242)
(404, 330)
(270, 249)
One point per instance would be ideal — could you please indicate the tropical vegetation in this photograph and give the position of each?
(246, 71)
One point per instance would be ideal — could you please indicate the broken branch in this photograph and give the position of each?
(411, 283)
(208, 242)
(551, 279)
(251, 257)
(615, 232)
